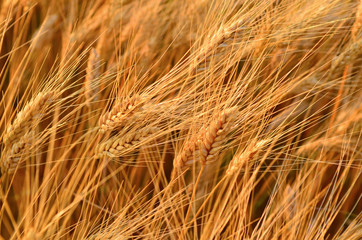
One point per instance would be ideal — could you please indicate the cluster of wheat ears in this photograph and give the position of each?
(181, 119)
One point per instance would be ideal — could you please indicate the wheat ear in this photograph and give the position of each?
(214, 137)
(13, 154)
(225, 38)
(209, 142)
(120, 113)
(290, 199)
(117, 145)
(31, 111)
(45, 32)
(248, 154)
(92, 76)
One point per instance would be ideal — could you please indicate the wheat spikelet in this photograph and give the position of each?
(209, 142)
(13, 155)
(248, 154)
(31, 111)
(120, 113)
(115, 146)
(92, 76)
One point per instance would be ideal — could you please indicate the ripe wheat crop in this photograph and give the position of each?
(180, 119)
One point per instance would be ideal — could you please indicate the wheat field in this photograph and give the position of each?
(181, 119)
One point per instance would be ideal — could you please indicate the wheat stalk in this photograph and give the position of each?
(271, 59)
(8, 10)
(292, 112)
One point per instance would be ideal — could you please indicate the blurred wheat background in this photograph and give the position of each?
(181, 119)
